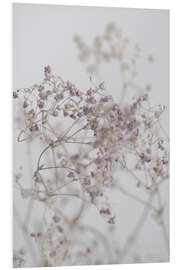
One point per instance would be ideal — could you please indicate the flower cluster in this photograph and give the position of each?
(87, 138)
(113, 44)
(19, 258)
(110, 47)
(112, 131)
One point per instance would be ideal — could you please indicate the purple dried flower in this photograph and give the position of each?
(94, 125)
(145, 97)
(109, 123)
(56, 219)
(78, 93)
(119, 114)
(70, 174)
(165, 161)
(155, 169)
(65, 113)
(79, 114)
(91, 100)
(92, 174)
(111, 220)
(99, 161)
(59, 96)
(41, 104)
(55, 113)
(104, 133)
(120, 137)
(59, 228)
(69, 85)
(72, 116)
(78, 169)
(136, 132)
(89, 92)
(92, 196)
(105, 211)
(43, 95)
(75, 157)
(105, 99)
(47, 70)
(52, 254)
(133, 107)
(85, 110)
(101, 86)
(25, 104)
(36, 127)
(115, 107)
(60, 139)
(86, 126)
(160, 145)
(91, 109)
(72, 93)
(112, 117)
(157, 114)
(132, 124)
(148, 124)
(147, 159)
(87, 181)
(40, 88)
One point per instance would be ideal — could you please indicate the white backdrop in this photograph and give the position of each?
(5, 116)
(43, 34)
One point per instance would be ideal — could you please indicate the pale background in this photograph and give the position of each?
(6, 107)
(44, 35)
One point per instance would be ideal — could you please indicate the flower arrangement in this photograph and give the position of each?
(90, 137)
